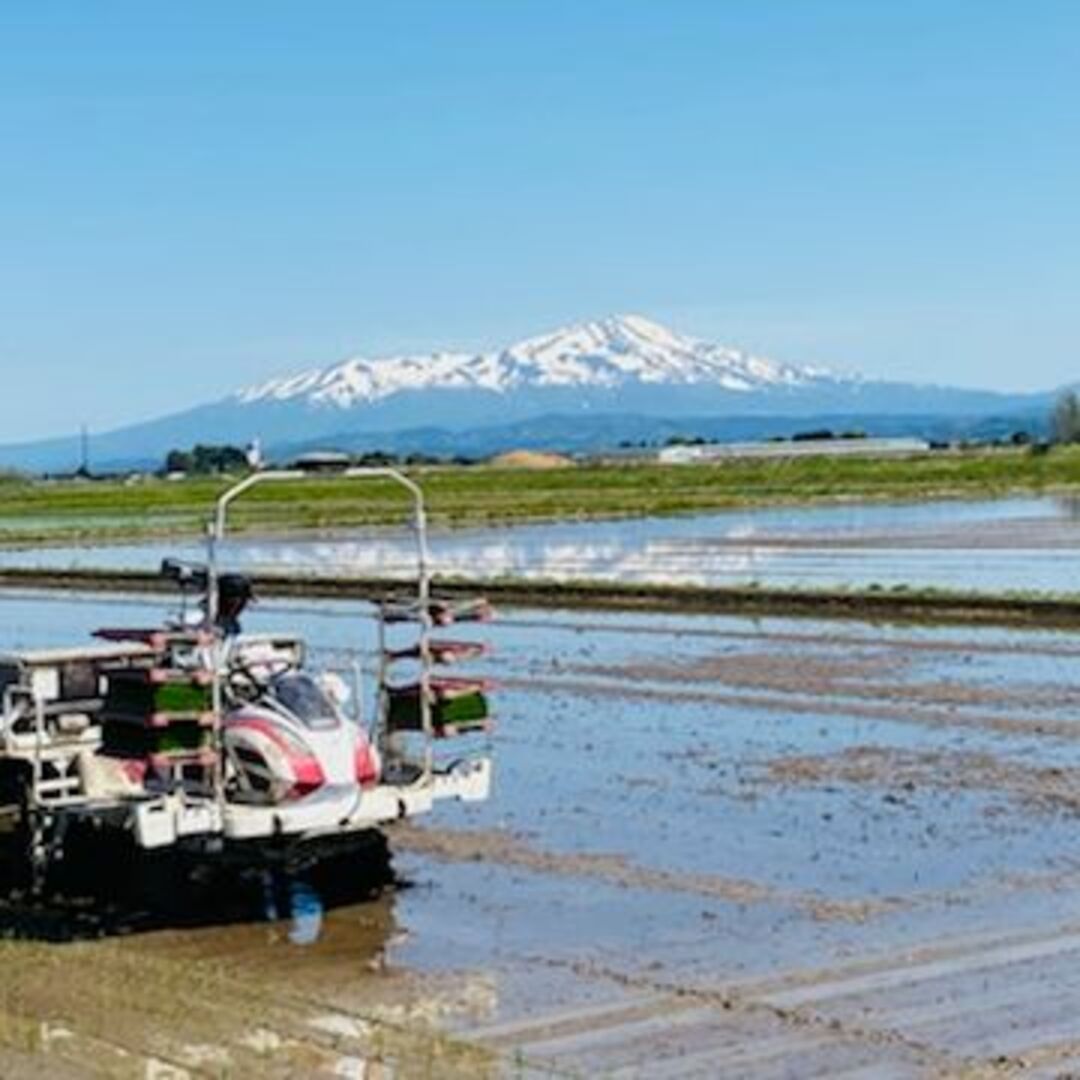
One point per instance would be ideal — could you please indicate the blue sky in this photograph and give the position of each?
(197, 195)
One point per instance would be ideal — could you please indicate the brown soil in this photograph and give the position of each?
(1044, 788)
(531, 459)
(123, 1009)
(869, 674)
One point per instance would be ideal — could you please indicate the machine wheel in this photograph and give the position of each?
(16, 829)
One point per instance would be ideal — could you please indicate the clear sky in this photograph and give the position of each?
(197, 195)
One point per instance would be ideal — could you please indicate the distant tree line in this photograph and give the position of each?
(380, 457)
(203, 460)
(813, 435)
(208, 459)
(1065, 418)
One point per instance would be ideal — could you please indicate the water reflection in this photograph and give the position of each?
(293, 900)
(1019, 543)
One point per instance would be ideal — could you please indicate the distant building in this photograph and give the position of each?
(254, 454)
(687, 455)
(319, 460)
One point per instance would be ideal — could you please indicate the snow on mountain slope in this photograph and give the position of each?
(586, 387)
(606, 354)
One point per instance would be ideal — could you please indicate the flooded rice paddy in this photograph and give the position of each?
(1004, 544)
(717, 847)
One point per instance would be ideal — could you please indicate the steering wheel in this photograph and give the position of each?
(256, 683)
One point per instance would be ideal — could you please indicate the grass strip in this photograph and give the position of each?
(896, 604)
(478, 495)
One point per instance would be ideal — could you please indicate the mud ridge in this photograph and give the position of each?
(863, 673)
(507, 849)
(899, 605)
(899, 712)
(1045, 788)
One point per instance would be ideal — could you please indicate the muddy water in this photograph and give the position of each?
(1018, 543)
(716, 847)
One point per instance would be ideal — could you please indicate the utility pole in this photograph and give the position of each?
(84, 455)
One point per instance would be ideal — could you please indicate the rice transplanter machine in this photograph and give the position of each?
(194, 735)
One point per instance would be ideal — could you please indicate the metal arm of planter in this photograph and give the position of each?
(216, 532)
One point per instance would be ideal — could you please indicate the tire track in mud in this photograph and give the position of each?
(940, 1009)
(671, 1029)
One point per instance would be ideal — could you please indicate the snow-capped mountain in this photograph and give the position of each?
(604, 355)
(583, 387)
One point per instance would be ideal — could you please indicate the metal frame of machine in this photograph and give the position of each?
(52, 774)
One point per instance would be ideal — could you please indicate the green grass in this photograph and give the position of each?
(480, 495)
